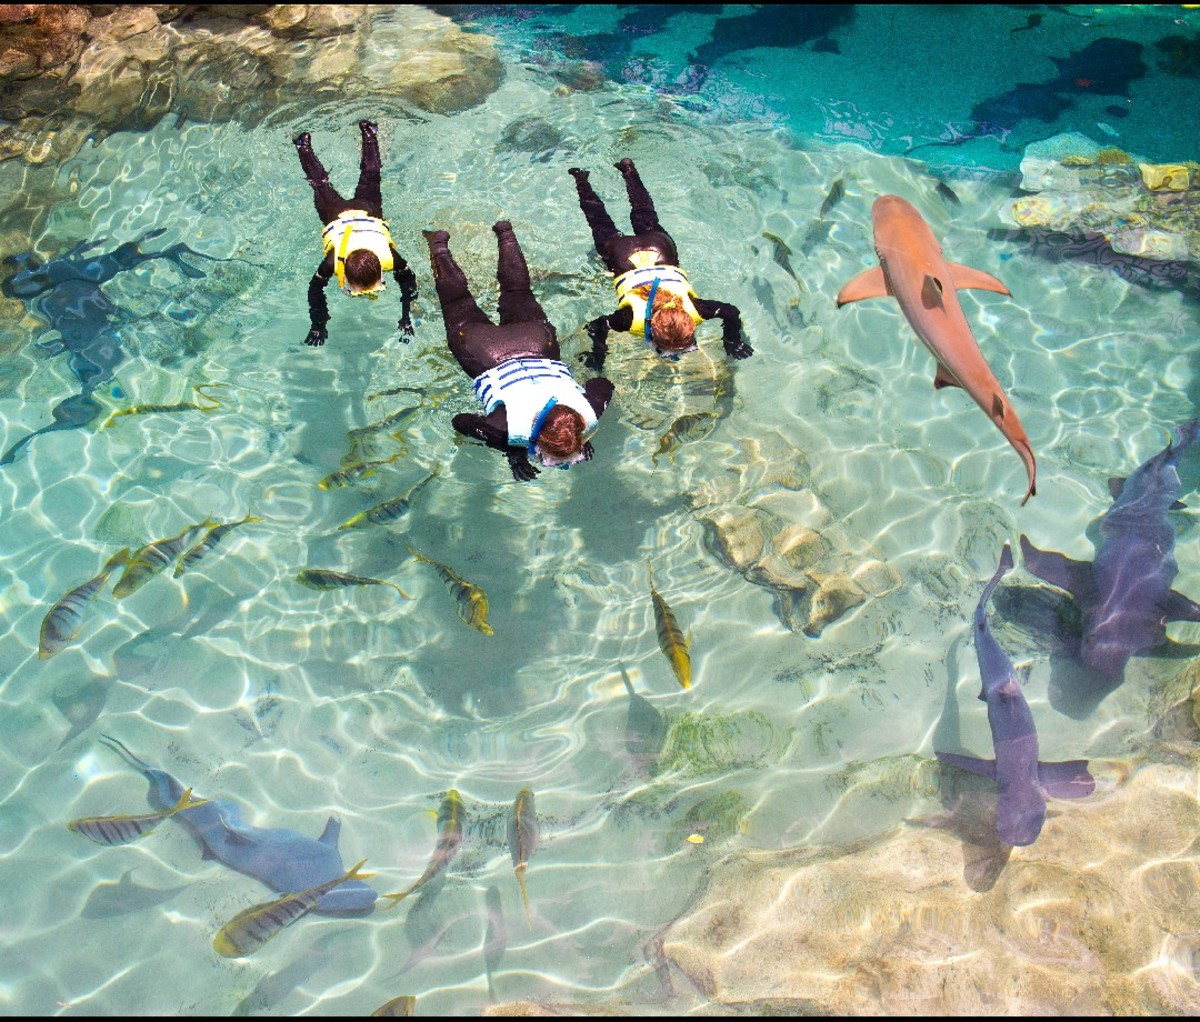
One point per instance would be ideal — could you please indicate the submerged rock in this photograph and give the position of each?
(1141, 209)
(69, 73)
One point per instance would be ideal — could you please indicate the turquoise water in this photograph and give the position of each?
(298, 704)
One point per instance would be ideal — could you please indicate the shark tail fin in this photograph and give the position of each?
(983, 767)
(1069, 779)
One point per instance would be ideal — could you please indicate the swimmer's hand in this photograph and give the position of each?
(588, 450)
(738, 349)
(522, 469)
(316, 337)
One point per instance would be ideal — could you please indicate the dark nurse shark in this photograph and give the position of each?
(1024, 783)
(66, 293)
(1124, 596)
(284, 860)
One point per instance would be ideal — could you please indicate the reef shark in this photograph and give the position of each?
(913, 271)
(1024, 782)
(66, 292)
(1125, 595)
(285, 860)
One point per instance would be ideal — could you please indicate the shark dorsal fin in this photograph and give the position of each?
(333, 828)
(931, 292)
(969, 277)
(997, 407)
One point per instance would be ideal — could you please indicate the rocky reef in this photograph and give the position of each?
(1145, 210)
(74, 72)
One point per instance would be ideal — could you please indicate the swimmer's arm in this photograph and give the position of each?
(598, 330)
(731, 322)
(407, 280)
(493, 431)
(318, 308)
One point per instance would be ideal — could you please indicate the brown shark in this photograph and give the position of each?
(913, 271)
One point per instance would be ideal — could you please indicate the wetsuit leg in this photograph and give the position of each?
(603, 229)
(458, 306)
(368, 192)
(517, 303)
(328, 202)
(641, 213)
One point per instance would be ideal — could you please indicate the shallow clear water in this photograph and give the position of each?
(298, 704)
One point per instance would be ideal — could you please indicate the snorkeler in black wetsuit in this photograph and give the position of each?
(646, 265)
(358, 246)
(530, 400)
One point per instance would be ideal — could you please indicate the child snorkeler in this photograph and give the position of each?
(531, 402)
(358, 246)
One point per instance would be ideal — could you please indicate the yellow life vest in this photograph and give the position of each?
(671, 279)
(354, 229)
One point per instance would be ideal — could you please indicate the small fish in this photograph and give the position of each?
(948, 193)
(354, 472)
(389, 510)
(62, 621)
(670, 637)
(523, 837)
(449, 840)
(834, 197)
(210, 540)
(398, 1007)
(251, 928)
(388, 424)
(152, 558)
(120, 830)
(472, 601)
(323, 578)
(687, 427)
(182, 406)
(781, 254)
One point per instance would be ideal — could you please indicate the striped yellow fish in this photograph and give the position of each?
(251, 928)
(523, 834)
(120, 830)
(357, 470)
(210, 540)
(152, 558)
(389, 510)
(450, 820)
(670, 636)
(472, 602)
(182, 406)
(323, 578)
(62, 621)
(398, 1007)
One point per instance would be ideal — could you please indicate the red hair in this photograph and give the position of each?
(561, 435)
(671, 328)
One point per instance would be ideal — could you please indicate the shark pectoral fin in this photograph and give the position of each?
(333, 829)
(969, 277)
(931, 292)
(983, 767)
(1177, 607)
(868, 284)
(1069, 779)
(943, 379)
(1073, 576)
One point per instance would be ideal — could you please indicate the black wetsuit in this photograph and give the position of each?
(480, 345)
(330, 204)
(616, 250)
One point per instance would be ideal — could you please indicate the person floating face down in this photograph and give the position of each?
(654, 297)
(358, 246)
(531, 402)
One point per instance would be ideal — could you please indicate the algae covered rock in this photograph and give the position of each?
(700, 744)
